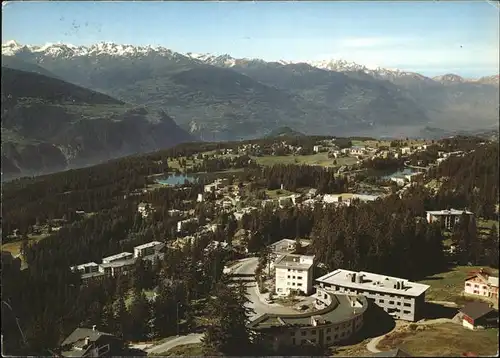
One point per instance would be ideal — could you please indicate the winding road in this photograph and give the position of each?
(244, 267)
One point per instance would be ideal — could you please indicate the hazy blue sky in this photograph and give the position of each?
(429, 37)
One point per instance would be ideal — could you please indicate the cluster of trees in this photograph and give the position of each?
(383, 164)
(210, 165)
(473, 249)
(57, 302)
(389, 236)
(300, 176)
(470, 181)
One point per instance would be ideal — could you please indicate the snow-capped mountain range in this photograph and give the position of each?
(61, 50)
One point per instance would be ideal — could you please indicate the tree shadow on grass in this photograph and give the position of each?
(434, 311)
(376, 322)
(133, 352)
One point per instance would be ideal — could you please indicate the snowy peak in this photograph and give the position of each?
(220, 61)
(489, 80)
(61, 50)
(12, 48)
(337, 65)
(449, 78)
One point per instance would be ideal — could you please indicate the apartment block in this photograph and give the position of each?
(85, 268)
(400, 298)
(147, 249)
(294, 272)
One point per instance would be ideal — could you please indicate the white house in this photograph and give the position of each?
(144, 209)
(238, 215)
(199, 199)
(294, 272)
(406, 150)
(357, 150)
(317, 148)
(447, 218)
(85, 268)
(182, 223)
(482, 284)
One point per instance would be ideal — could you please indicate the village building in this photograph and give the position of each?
(293, 273)
(482, 284)
(357, 150)
(89, 342)
(406, 150)
(317, 148)
(479, 315)
(340, 319)
(400, 298)
(144, 209)
(447, 218)
(181, 224)
(238, 215)
(148, 249)
(85, 268)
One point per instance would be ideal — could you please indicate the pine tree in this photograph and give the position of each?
(228, 335)
(139, 316)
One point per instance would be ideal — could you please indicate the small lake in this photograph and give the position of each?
(400, 173)
(179, 179)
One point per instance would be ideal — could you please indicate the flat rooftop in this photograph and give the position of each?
(121, 255)
(88, 264)
(148, 244)
(449, 212)
(373, 282)
(119, 263)
(294, 261)
(338, 311)
(284, 244)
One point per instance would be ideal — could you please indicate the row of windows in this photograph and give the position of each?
(328, 330)
(298, 277)
(369, 293)
(476, 286)
(293, 284)
(328, 338)
(397, 303)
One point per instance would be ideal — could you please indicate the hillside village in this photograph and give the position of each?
(287, 281)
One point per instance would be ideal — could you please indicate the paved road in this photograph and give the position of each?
(246, 267)
(175, 341)
(243, 267)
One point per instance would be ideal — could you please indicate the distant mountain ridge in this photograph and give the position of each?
(224, 98)
(284, 132)
(12, 48)
(50, 125)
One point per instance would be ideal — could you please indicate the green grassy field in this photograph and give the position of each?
(273, 194)
(319, 159)
(14, 247)
(443, 340)
(448, 286)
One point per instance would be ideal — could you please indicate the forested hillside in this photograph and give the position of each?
(388, 236)
(50, 125)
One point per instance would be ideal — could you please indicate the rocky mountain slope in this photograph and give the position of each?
(50, 125)
(221, 98)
